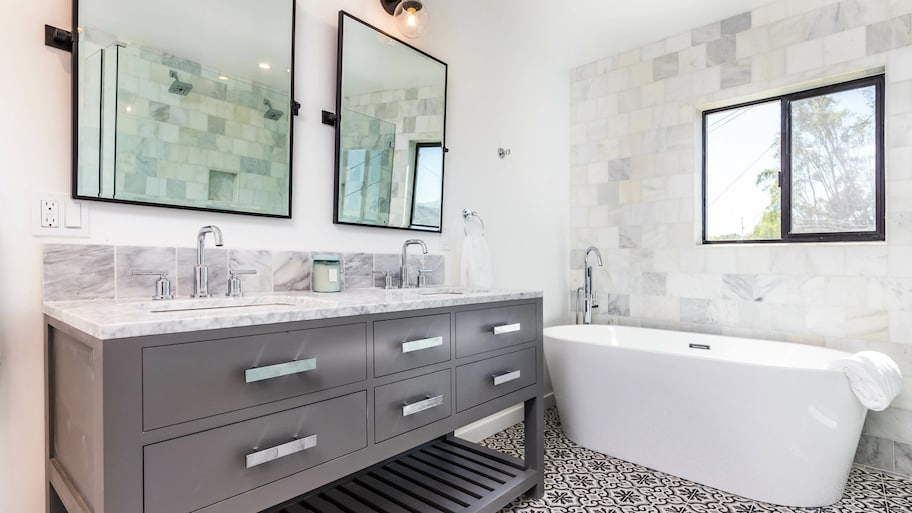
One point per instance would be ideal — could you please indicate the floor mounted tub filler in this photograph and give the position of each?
(764, 420)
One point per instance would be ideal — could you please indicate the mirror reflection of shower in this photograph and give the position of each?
(271, 113)
(159, 128)
(178, 87)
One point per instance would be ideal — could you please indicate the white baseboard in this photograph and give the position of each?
(478, 431)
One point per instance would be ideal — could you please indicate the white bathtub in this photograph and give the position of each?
(763, 420)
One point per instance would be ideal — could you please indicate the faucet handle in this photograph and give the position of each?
(422, 277)
(162, 285)
(234, 281)
(387, 279)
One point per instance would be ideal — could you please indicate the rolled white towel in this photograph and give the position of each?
(874, 377)
(475, 269)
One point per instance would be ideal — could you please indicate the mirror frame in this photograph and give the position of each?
(338, 127)
(74, 97)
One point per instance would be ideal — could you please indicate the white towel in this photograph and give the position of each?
(475, 267)
(874, 377)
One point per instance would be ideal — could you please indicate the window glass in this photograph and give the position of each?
(426, 204)
(742, 171)
(801, 167)
(833, 162)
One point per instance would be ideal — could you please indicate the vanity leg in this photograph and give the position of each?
(534, 435)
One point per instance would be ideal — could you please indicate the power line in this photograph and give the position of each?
(742, 173)
(724, 119)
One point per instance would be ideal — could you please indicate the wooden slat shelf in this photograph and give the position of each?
(448, 475)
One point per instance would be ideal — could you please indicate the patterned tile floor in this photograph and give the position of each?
(578, 480)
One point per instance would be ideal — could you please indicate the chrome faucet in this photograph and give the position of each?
(200, 270)
(589, 296)
(403, 267)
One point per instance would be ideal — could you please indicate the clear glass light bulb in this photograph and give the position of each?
(412, 18)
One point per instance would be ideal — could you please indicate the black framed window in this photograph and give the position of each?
(801, 167)
(427, 186)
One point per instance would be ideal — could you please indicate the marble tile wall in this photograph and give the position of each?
(418, 114)
(635, 191)
(369, 143)
(212, 146)
(84, 271)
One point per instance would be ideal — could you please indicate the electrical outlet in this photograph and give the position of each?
(50, 213)
(56, 215)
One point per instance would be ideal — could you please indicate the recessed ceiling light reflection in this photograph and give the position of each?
(265, 65)
(223, 77)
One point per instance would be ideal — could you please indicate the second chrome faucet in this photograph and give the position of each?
(200, 270)
(403, 264)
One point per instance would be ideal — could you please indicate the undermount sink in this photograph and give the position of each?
(449, 291)
(428, 291)
(226, 304)
(196, 308)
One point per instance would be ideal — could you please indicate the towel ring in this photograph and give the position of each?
(468, 214)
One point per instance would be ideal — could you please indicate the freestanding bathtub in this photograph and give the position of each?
(763, 420)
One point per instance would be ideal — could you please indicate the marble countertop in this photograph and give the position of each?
(110, 319)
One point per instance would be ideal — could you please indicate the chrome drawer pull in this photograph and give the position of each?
(281, 369)
(507, 328)
(418, 345)
(280, 451)
(506, 378)
(427, 404)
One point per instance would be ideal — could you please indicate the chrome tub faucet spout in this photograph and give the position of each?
(589, 295)
(200, 270)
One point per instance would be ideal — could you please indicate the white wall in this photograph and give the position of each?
(516, 102)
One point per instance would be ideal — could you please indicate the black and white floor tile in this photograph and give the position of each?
(578, 480)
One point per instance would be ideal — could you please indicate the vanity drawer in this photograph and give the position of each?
(482, 381)
(184, 382)
(194, 471)
(412, 403)
(403, 344)
(478, 331)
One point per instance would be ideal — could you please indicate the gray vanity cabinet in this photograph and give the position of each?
(486, 329)
(488, 379)
(274, 417)
(404, 344)
(411, 403)
(183, 382)
(187, 473)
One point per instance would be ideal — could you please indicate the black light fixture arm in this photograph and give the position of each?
(390, 5)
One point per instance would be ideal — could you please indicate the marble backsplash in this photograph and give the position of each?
(95, 271)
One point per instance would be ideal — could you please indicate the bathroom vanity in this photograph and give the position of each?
(291, 403)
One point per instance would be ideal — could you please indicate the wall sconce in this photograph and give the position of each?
(411, 16)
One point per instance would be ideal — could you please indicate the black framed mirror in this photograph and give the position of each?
(174, 109)
(390, 131)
